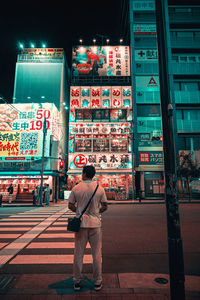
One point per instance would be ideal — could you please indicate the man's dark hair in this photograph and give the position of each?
(89, 171)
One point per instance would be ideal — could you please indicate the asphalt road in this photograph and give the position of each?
(135, 238)
(8, 211)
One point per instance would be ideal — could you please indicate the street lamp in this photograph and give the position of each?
(32, 46)
(107, 41)
(81, 41)
(21, 46)
(94, 41)
(121, 41)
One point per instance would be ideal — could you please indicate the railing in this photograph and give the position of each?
(187, 97)
(147, 97)
(186, 68)
(188, 126)
(106, 80)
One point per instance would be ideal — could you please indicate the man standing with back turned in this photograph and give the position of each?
(90, 225)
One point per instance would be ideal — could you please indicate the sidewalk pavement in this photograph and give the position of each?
(121, 286)
(144, 201)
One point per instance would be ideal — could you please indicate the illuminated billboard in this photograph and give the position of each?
(21, 129)
(100, 160)
(100, 97)
(100, 61)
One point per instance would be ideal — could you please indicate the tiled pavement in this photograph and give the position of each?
(36, 256)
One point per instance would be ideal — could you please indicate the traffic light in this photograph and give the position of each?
(62, 164)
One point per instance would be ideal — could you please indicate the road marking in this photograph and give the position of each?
(53, 245)
(27, 237)
(48, 259)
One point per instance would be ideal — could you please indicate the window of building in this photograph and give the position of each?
(183, 59)
(189, 143)
(192, 59)
(185, 34)
(190, 86)
(175, 58)
(188, 114)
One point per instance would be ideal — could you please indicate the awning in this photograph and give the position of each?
(102, 172)
(26, 173)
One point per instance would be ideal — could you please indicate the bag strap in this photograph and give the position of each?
(89, 201)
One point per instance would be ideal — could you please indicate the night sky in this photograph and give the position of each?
(59, 24)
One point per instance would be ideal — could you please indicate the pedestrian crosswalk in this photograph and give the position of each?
(38, 240)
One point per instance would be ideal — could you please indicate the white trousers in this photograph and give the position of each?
(94, 236)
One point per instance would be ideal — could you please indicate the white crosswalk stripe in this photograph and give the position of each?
(38, 237)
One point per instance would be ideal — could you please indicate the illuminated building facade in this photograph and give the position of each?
(100, 118)
(184, 23)
(39, 93)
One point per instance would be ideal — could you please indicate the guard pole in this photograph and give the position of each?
(175, 249)
(43, 148)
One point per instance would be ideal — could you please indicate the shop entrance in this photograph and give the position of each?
(154, 185)
(118, 187)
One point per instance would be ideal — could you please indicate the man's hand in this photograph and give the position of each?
(104, 207)
(72, 207)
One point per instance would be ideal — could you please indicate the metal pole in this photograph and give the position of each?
(175, 249)
(42, 170)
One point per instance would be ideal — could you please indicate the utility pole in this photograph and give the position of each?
(175, 249)
(43, 148)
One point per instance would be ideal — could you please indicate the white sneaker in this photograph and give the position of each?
(98, 287)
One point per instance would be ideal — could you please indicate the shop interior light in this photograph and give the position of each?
(66, 107)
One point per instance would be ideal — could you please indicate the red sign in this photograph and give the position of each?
(144, 157)
(80, 161)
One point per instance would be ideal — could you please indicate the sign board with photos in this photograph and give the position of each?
(100, 61)
(21, 129)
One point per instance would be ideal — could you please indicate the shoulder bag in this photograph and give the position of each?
(75, 223)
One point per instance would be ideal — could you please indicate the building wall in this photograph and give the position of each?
(185, 47)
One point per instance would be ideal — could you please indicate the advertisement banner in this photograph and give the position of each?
(100, 160)
(144, 29)
(151, 158)
(100, 61)
(84, 128)
(21, 129)
(13, 143)
(94, 97)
